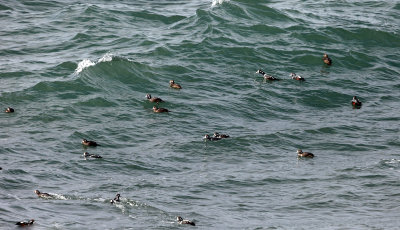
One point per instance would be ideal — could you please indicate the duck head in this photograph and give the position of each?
(260, 71)
(299, 151)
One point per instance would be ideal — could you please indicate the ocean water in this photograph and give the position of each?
(74, 70)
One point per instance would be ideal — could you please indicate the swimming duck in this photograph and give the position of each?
(266, 76)
(297, 77)
(116, 199)
(43, 194)
(86, 154)
(217, 135)
(300, 153)
(327, 60)
(182, 221)
(153, 99)
(356, 102)
(174, 85)
(23, 224)
(89, 143)
(207, 137)
(159, 110)
(9, 110)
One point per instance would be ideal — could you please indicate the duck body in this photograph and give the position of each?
(9, 110)
(182, 221)
(327, 60)
(43, 194)
(116, 199)
(160, 110)
(297, 77)
(23, 223)
(356, 102)
(154, 99)
(89, 143)
(300, 153)
(86, 154)
(208, 138)
(218, 135)
(174, 85)
(266, 76)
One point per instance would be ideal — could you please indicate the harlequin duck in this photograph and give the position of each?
(153, 99)
(174, 85)
(116, 199)
(217, 135)
(86, 154)
(207, 137)
(160, 110)
(297, 77)
(9, 110)
(182, 221)
(327, 60)
(300, 153)
(266, 76)
(89, 143)
(43, 194)
(356, 102)
(23, 224)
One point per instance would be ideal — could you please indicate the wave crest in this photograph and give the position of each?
(87, 62)
(218, 2)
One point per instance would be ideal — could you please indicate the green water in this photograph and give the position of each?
(75, 70)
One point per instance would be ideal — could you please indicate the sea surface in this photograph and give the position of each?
(81, 69)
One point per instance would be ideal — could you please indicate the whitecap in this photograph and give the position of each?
(87, 63)
(106, 58)
(84, 64)
(218, 2)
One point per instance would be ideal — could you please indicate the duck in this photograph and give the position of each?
(327, 60)
(207, 137)
(43, 194)
(300, 153)
(9, 110)
(86, 154)
(23, 224)
(89, 143)
(153, 99)
(116, 199)
(297, 77)
(174, 85)
(356, 102)
(160, 110)
(217, 135)
(182, 221)
(266, 76)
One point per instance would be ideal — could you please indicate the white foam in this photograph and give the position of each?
(218, 2)
(59, 197)
(393, 161)
(87, 63)
(84, 64)
(106, 58)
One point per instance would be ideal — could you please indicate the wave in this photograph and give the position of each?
(85, 63)
(218, 2)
